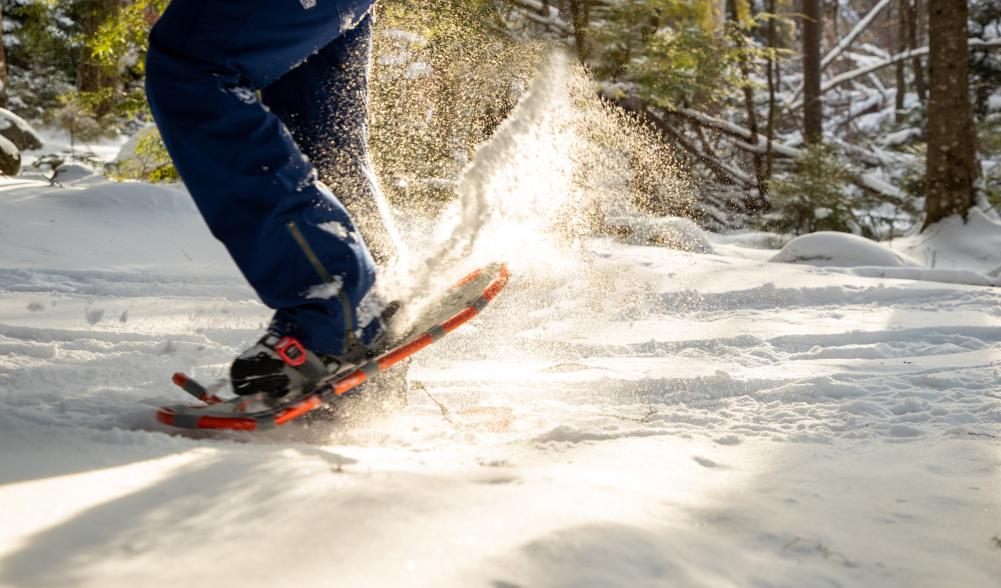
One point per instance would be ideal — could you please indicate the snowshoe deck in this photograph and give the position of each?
(453, 308)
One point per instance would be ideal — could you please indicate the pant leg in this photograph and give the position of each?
(293, 240)
(324, 104)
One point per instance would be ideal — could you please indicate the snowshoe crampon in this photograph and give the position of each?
(440, 316)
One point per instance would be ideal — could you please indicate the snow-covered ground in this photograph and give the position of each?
(622, 415)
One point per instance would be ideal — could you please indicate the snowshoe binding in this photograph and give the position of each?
(277, 366)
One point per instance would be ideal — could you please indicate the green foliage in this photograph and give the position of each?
(41, 33)
(817, 195)
(150, 161)
(117, 49)
(119, 103)
(122, 40)
(813, 198)
(669, 51)
(98, 45)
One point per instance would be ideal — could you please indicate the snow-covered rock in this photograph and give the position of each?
(828, 248)
(18, 131)
(10, 157)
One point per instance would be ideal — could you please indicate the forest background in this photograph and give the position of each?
(875, 117)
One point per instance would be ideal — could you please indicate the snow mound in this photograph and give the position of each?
(135, 233)
(868, 259)
(74, 172)
(830, 249)
(752, 239)
(944, 275)
(124, 197)
(951, 243)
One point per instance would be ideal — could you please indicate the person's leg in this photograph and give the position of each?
(323, 103)
(295, 243)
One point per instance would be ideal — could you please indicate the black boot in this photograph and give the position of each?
(278, 365)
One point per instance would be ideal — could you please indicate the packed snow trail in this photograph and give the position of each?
(623, 415)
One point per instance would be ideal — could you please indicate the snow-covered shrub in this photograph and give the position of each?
(34, 92)
(77, 120)
(815, 196)
(67, 166)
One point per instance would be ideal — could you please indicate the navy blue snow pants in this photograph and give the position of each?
(248, 95)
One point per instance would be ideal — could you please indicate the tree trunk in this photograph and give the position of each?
(952, 166)
(813, 110)
(900, 34)
(913, 42)
(3, 65)
(91, 75)
(745, 72)
(773, 81)
(834, 32)
(580, 12)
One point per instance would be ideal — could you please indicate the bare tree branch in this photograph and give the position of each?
(720, 169)
(543, 14)
(853, 34)
(866, 181)
(974, 43)
(846, 42)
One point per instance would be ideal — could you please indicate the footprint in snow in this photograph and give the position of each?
(707, 463)
(94, 315)
(727, 440)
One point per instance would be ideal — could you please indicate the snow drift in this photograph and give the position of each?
(624, 415)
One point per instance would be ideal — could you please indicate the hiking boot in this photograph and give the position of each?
(278, 365)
